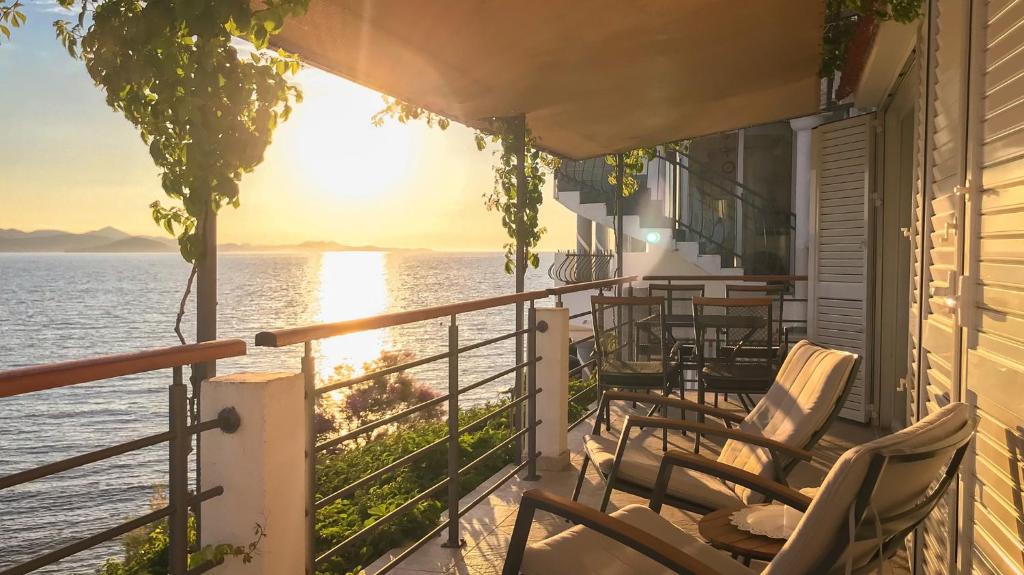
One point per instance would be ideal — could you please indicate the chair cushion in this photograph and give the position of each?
(582, 550)
(899, 486)
(805, 393)
(755, 377)
(640, 467)
(617, 373)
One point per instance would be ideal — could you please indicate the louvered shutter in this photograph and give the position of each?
(941, 243)
(992, 305)
(838, 288)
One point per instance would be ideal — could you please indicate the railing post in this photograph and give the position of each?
(531, 390)
(178, 475)
(454, 540)
(309, 395)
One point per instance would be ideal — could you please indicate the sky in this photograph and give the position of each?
(69, 162)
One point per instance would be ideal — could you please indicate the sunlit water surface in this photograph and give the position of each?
(61, 306)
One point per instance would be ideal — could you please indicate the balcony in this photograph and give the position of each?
(265, 463)
(488, 528)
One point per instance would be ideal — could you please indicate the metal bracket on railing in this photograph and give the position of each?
(228, 419)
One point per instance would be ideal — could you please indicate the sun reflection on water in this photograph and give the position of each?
(352, 285)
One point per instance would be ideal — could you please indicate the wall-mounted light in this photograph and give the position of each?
(652, 237)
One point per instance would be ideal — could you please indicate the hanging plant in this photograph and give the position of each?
(206, 111)
(843, 19)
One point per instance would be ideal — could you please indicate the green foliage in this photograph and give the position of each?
(206, 113)
(502, 197)
(581, 405)
(838, 33)
(633, 163)
(345, 517)
(11, 16)
(146, 550)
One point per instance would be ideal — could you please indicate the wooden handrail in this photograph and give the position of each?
(294, 335)
(290, 336)
(585, 286)
(743, 278)
(49, 376)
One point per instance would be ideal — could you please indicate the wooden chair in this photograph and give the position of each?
(776, 292)
(809, 391)
(631, 345)
(874, 496)
(741, 334)
(683, 339)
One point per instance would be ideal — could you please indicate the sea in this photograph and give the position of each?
(56, 307)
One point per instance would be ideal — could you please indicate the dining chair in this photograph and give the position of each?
(682, 338)
(739, 333)
(777, 294)
(631, 345)
(874, 496)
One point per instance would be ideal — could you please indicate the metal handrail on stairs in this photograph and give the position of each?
(710, 217)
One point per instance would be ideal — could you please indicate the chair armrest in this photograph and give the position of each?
(676, 458)
(643, 542)
(726, 432)
(686, 404)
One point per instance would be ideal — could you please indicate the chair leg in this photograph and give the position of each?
(606, 499)
(583, 474)
(716, 400)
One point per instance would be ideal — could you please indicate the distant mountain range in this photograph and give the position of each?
(113, 240)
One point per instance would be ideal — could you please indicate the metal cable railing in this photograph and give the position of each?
(521, 434)
(182, 501)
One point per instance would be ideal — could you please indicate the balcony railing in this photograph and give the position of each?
(580, 267)
(522, 434)
(179, 439)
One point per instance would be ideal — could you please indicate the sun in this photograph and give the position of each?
(337, 152)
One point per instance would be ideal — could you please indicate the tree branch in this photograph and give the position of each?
(184, 300)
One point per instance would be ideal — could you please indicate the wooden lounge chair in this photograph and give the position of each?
(801, 404)
(873, 497)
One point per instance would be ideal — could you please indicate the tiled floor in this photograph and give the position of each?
(488, 527)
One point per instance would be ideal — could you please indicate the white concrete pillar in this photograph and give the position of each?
(553, 379)
(584, 234)
(603, 241)
(261, 468)
(802, 172)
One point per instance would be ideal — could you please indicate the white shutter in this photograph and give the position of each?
(839, 277)
(992, 303)
(940, 244)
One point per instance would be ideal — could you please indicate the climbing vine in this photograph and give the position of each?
(11, 16)
(634, 162)
(503, 196)
(206, 111)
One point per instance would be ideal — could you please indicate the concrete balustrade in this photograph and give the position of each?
(261, 468)
(553, 379)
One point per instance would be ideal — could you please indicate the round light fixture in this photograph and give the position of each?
(652, 237)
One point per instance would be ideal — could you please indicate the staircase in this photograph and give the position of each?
(704, 232)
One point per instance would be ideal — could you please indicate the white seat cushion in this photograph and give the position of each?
(640, 467)
(583, 550)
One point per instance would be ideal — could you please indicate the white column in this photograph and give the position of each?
(602, 238)
(584, 234)
(802, 173)
(261, 468)
(553, 380)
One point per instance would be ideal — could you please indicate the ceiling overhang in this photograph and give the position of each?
(591, 77)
